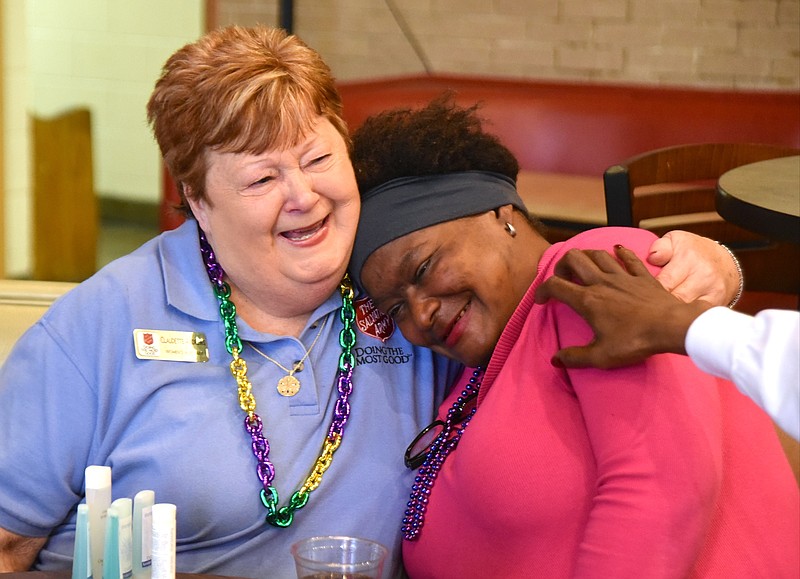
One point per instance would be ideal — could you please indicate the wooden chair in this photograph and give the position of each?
(674, 188)
(65, 208)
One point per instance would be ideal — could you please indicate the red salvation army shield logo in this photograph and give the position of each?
(148, 339)
(371, 321)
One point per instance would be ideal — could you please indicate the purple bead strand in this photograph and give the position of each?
(442, 446)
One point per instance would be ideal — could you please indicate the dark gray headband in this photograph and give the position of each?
(402, 206)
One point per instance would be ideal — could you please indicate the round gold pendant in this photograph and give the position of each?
(288, 386)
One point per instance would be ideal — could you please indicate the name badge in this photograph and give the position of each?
(170, 346)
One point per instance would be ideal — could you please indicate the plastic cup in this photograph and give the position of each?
(338, 558)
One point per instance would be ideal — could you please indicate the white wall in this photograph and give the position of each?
(16, 144)
(103, 54)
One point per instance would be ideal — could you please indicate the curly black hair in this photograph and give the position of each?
(442, 137)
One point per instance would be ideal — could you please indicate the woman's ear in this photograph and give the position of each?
(199, 206)
(505, 214)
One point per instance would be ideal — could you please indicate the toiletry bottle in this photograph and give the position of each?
(117, 563)
(143, 533)
(82, 555)
(164, 541)
(111, 564)
(98, 499)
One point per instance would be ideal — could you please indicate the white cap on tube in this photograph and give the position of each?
(97, 477)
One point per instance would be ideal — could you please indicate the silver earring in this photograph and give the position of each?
(511, 229)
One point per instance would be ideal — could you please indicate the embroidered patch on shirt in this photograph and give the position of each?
(170, 346)
(371, 321)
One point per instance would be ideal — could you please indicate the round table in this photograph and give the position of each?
(763, 197)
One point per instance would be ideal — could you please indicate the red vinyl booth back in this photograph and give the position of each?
(578, 129)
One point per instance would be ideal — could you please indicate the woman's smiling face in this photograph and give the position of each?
(449, 287)
(282, 219)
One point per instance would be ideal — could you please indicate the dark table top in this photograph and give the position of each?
(763, 197)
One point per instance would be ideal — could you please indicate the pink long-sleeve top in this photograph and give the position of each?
(652, 471)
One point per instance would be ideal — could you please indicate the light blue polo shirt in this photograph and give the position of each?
(73, 393)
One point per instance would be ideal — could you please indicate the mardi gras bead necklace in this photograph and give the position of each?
(283, 516)
(441, 447)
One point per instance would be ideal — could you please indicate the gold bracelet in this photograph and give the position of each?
(738, 266)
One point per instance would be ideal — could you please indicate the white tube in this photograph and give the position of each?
(164, 541)
(98, 499)
(125, 509)
(143, 533)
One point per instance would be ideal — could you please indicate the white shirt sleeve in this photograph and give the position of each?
(760, 354)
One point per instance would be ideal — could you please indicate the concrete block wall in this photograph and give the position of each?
(739, 44)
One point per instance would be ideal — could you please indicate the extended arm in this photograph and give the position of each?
(633, 317)
(760, 354)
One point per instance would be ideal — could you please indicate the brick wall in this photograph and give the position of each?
(747, 44)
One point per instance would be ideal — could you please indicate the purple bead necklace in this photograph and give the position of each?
(441, 447)
(283, 516)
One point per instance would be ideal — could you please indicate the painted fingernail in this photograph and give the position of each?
(555, 361)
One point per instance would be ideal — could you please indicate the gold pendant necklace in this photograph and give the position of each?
(289, 385)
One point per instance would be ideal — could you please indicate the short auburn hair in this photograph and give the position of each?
(238, 90)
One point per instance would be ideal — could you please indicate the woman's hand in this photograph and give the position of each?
(695, 267)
